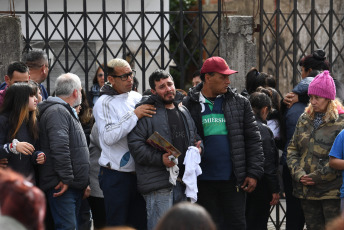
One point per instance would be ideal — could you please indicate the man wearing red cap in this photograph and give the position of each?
(233, 155)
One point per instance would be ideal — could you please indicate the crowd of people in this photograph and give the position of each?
(94, 159)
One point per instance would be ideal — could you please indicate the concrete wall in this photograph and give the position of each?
(238, 48)
(10, 42)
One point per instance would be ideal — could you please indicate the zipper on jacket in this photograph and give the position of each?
(237, 187)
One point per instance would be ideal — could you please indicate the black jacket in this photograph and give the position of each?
(63, 141)
(24, 164)
(269, 181)
(243, 133)
(151, 172)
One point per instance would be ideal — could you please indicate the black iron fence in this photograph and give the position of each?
(163, 36)
(292, 29)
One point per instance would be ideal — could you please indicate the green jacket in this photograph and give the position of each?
(308, 155)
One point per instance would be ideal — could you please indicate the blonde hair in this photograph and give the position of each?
(331, 111)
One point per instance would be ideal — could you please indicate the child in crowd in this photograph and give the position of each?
(19, 132)
(267, 191)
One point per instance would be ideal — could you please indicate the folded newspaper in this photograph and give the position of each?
(157, 141)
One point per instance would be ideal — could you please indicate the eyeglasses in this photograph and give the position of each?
(125, 76)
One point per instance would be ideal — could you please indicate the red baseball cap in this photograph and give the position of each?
(217, 64)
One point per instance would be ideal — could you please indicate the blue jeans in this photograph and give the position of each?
(157, 204)
(124, 205)
(65, 208)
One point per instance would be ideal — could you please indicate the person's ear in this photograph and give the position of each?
(111, 79)
(153, 91)
(7, 79)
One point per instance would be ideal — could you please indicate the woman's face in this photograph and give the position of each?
(319, 104)
(39, 96)
(32, 103)
(100, 77)
(305, 73)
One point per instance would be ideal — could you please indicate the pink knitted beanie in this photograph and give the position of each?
(323, 86)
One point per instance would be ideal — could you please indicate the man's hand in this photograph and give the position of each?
(290, 99)
(3, 163)
(63, 188)
(198, 145)
(25, 148)
(145, 111)
(306, 180)
(275, 199)
(40, 158)
(249, 184)
(167, 162)
(87, 192)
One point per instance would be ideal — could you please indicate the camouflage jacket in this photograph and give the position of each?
(308, 155)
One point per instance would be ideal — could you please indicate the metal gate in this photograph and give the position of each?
(292, 29)
(289, 30)
(169, 36)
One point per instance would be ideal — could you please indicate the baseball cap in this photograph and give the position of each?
(217, 64)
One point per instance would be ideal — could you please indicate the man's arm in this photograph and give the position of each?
(57, 127)
(115, 121)
(253, 145)
(142, 152)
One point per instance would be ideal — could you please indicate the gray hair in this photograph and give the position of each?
(66, 83)
(114, 63)
(35, 58)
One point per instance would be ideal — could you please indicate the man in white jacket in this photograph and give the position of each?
(116, 116)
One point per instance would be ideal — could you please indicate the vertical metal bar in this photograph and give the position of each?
(46, 39)
(181, 45)
(124, 34)
(143, 44)
(85, 45)
(260, 49)
(312, 24)
(66, 69)
(218, 24)
(277, 214)
(330, 53)
(295, 49)
(162, 33)
(277, 40)
(200, 33)
(27, 24)
(104, 39)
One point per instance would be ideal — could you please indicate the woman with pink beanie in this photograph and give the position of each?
(315, 183)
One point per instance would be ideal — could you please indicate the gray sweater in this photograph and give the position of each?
(95, 151)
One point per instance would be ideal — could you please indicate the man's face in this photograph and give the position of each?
(78, 99)
(218, 83)
(165, 89)
(45, 71)
(17, 77)
(196, 80)
(122, 86)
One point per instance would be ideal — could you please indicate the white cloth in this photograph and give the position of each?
(192, 171)
(174, 171)
(115, 118)
(275, 127)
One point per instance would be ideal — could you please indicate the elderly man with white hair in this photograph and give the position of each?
(64, 177)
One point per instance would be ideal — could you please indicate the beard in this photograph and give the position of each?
(169, 101)
(78, 101)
